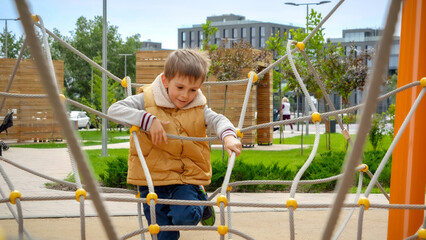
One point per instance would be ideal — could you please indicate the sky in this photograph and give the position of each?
(159, 20)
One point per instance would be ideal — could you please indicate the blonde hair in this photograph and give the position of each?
(285, 99)
(187, 62)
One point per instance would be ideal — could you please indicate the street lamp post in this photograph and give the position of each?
(6, 33)
(125, 61)
(306, 31)
(307, 8)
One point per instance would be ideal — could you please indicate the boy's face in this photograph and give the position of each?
(181, 89)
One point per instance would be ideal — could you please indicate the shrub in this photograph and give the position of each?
(115, 174)
(243, 172)
(325, 165)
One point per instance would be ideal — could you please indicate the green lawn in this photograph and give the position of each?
(87, 138)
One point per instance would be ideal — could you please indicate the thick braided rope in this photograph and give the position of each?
(348, 217)
(379, 186)
(379, 67)
(14, 214)
(325, 94)
(70, 184)
(15, 69)
(52, 90)
(394, 142)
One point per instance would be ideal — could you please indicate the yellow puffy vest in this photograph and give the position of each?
(179, 161)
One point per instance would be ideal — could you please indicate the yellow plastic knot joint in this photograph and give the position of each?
(291, 202)
(80, 192)
(124, 82)
(229, 188)
(62, 97)
(35, 18)
(364, 168)
(14, 195)
(364, 201)
(222, 199)
(300, 45)
(138, 195)
(254, 76)
(239, 133)
(316, 117)
(154, 229)
(222, 229)
(422, 233)
(423, 82)
(133, 129)
(151, 196)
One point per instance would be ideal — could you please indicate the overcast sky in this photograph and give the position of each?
(159, 20)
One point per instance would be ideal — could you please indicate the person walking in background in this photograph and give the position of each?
(285, 111)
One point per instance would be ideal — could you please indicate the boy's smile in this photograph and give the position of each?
(181, 89)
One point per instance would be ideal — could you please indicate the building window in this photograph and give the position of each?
(192, 39)
(253, 36)
(395, 49)
(183, 40)
(243, 33)
(200, 39)
(234, 33)
(261, 37)
(273, 31)
(217, 38)
(393, 62)
(226, 39)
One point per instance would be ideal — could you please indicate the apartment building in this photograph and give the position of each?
(231, 27)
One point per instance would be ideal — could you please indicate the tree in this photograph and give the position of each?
(14, 45)
(208, 33)
(344, 74)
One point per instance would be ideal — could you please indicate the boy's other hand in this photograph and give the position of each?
(232, 145)
(157, 131)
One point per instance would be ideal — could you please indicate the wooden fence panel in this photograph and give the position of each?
(33, 118)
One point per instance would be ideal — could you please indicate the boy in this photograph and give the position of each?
(174, 104)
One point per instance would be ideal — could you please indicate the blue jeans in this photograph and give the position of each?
(174, 214)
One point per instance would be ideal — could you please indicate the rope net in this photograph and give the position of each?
(223, 194)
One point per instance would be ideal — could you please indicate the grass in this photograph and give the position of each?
(338, 142)
(87, 138)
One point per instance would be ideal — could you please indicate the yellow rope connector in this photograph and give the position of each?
(151, 196)
(364, 167)
(291, 202)
(124, 82)
(222, 229)
(316, 117)
(154, 229)
(239, 133)
(35, 18)
(222, 199)
(133, 129)
(14, 195)
(62, 97)
(80, 192)
(138, 195)
(300, 45)
(254, 77)
(229, 188)
(422, 233)
(423, 82)
(364, 201)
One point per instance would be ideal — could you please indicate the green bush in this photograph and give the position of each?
(325, 165)
(115, 174)
(243, 172)
(373, 159)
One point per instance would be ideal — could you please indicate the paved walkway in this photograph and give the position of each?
(253, 221)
